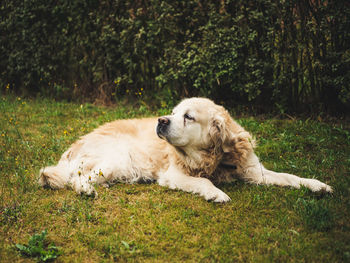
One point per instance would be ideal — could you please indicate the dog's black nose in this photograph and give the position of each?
(164, 121)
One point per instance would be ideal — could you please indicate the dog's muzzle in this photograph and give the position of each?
(163, 127)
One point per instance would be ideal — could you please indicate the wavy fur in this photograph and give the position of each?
(197, 145)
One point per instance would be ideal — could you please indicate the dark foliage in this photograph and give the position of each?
(289, 55)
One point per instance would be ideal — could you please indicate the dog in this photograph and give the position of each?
(195, 148)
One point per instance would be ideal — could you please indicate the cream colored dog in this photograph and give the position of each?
(197, 145)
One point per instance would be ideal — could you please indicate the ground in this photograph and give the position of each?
(149, 223)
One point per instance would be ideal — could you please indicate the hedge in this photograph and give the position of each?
(287, 55)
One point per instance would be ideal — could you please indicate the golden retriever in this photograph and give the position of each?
(192, 149)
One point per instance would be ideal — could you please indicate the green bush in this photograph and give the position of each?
(289, 55)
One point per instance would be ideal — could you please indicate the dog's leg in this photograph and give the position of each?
(285, 179)
(255, 172)
(175, 179)
(62, 175)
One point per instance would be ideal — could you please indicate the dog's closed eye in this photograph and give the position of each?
(188, 117)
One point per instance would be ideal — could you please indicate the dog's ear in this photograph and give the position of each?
(229, 137)
(218, 131)
(238, 146)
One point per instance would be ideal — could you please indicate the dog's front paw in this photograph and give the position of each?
(222, 198)
(317, 186)
(216, 195)
(327, 188)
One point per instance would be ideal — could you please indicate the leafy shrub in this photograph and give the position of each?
(285, 54)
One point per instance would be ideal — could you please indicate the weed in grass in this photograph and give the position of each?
(129, 247)
(38, 248)
(10, 214)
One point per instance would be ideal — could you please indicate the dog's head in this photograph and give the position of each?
(199, 127)
(194, 123)
(198, 124)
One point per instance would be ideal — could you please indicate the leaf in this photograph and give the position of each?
(126, 245)
(22, 248)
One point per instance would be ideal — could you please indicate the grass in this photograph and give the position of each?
(149, 223)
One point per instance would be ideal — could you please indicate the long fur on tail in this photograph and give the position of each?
(53, 177)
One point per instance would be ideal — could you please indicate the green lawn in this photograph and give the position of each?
(149, 223)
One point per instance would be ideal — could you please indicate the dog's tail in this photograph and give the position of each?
(54, 177)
